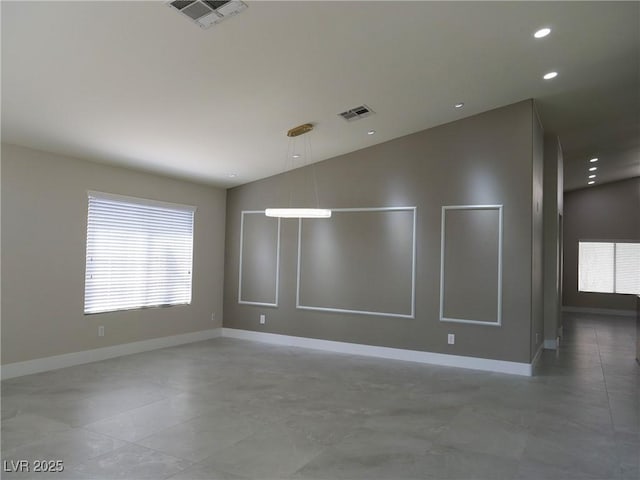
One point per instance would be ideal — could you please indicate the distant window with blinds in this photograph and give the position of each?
(609, 267)
(139, 254)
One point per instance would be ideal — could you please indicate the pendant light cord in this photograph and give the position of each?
(289, 167)
(313, 173)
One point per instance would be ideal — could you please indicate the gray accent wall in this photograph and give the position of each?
(487, 159)
(602, 212)
(537, 239)
(44, 220)
(553, 218)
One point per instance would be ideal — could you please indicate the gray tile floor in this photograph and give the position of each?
(231, 409)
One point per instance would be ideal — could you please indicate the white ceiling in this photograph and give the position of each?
(138, 84)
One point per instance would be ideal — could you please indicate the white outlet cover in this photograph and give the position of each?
(451, 339)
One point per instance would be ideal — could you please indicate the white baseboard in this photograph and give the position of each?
(473, 363)
(551, 344)
(536, 357)
(600, 311)
(38, 365)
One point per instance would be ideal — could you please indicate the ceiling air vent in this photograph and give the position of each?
(205, 12)
(356, 113)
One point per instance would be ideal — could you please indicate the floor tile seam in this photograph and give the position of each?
(221, 469)
(437, 442)
(163, 430)
(324, 449)
(191, 462)
(6, 451)
(224, 468)
(293, 474)
(613, 425)
(80, 396)
(112, 437)
(602, 369)
(128, 445)
(261, 425)
(465, 450)
(42, 438)
(108, 436)
(122, 412)
(137, 439)
(616, 465)
(84, 460)
(584, 475)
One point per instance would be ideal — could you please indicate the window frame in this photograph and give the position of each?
(615, 243)
(142, 202)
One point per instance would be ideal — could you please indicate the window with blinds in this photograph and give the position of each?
(139, 253)
(609, 267)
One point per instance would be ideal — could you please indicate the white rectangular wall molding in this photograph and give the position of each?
(334, 270)
(258, 262)
(463, 250)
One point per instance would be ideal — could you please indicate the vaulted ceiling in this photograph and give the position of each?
(138, 84)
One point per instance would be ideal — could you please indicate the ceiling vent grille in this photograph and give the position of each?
(205, 12)
(356, 113)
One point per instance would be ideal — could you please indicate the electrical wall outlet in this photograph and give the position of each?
(101, 331)
(451, 338)
(263, 319)
(213, 316)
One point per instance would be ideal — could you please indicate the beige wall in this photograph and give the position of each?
(484, 159)
(604, 212)
(44, 208)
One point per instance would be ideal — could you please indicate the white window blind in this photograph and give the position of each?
(139, 254)
(628, 268)
(609, 267)
(595, 267)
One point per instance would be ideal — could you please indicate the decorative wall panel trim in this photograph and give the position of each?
(411, 308)
(443, 318)
(277, 253)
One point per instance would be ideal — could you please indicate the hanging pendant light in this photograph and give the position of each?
(296, 212)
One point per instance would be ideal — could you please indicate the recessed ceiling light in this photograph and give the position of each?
(591, 182)
(593, 169)
(550, 75)
(371, 132)
(296, 155)
(592, 176)
(232, 175)
(593, 160)
(543, 32)
(459, 105)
